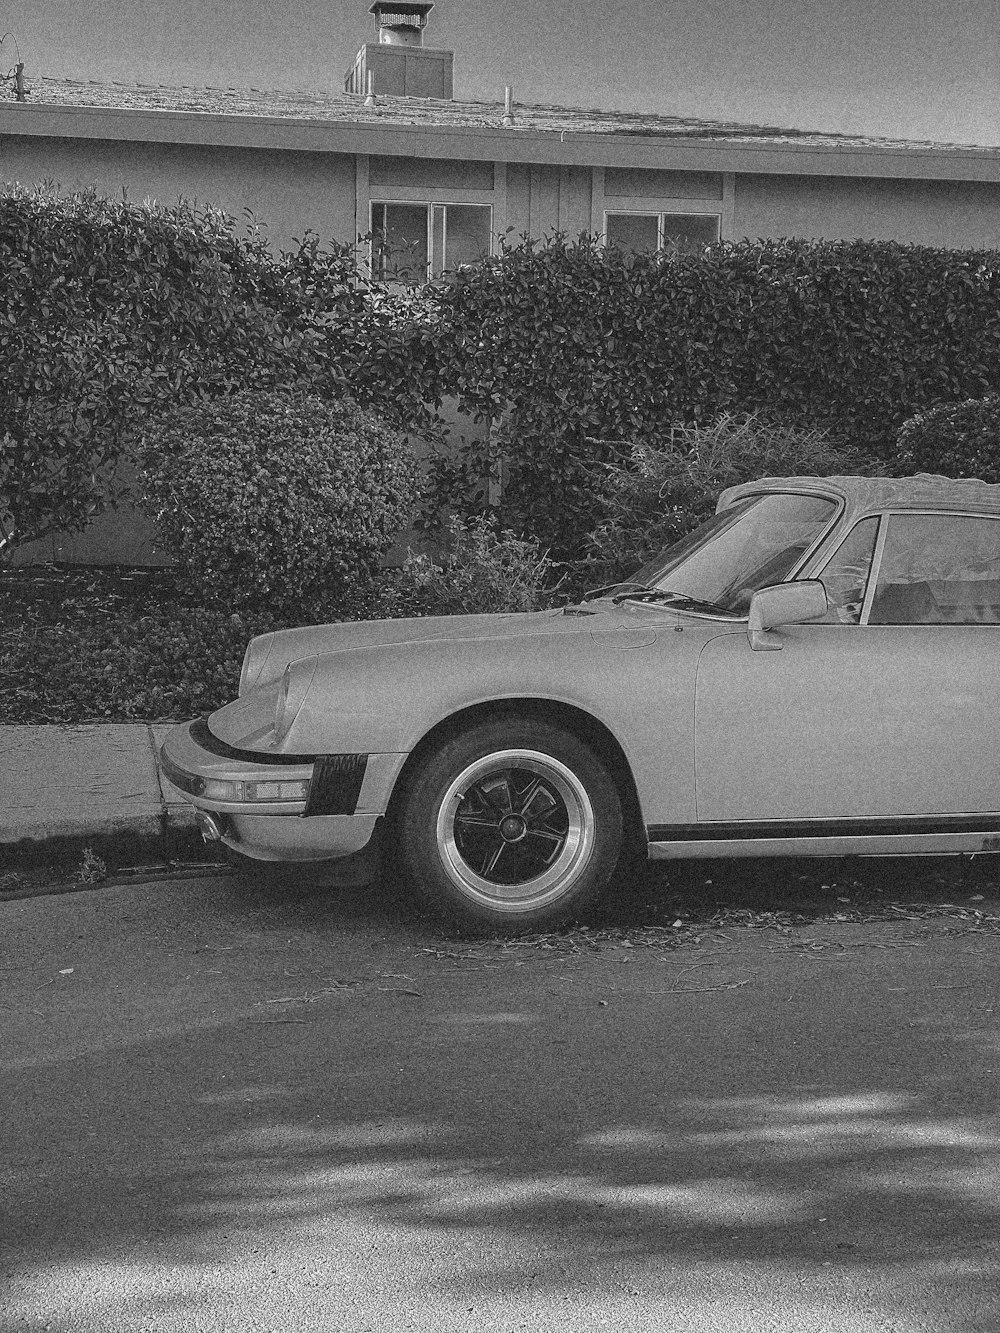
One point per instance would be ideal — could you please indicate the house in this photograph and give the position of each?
(438, 178)
(395, 142)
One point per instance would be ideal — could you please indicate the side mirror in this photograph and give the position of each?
(783, 604)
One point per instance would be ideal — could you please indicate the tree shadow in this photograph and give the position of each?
(499, 1115)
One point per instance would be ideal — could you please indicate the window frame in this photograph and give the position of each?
(870, 578)
(660, 213)
(884, 517)
(375, 265)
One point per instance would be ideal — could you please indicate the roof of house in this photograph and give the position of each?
(333, 121)
(330, 106)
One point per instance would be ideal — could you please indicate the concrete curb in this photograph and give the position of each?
(59, 887)
(66, 789)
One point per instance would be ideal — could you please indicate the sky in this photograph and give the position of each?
(914, 69)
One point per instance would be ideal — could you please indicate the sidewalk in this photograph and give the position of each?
(63, 788)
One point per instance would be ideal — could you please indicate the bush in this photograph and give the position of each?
(113, 645)
(482, 570)
(277, 500)
(135, 646)
(109, 310)
(665, 490)
(954, 439)
(174, 664)
(579, 351)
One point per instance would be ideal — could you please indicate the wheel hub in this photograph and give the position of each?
(513, 828)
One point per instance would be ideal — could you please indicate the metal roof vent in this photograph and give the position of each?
(398, 64)
(400, 24)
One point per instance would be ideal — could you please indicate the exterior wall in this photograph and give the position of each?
(420, 174)
(519, 198)
(542, 198)
(291, 192)
(124, 536)
(955, 214)
(121, 537)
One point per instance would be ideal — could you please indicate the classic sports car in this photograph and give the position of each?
(814, 671)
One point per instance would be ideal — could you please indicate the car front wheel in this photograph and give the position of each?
(510, 826)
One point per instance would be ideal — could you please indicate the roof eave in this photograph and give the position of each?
(490, 143)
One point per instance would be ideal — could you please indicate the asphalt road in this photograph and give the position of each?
(228, 1107)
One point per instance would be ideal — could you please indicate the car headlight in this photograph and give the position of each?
(270, 790)
(254, 659)
(273, 787)
(291, 693)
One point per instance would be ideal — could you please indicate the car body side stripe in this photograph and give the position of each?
(823, 828)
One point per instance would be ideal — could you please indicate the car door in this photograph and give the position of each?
(890, 707)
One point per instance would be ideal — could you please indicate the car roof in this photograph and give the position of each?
(865, 495)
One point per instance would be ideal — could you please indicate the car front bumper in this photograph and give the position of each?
(324, 807)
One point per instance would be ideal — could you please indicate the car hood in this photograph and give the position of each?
(269, 654)
(378, 686)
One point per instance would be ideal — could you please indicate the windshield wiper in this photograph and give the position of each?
(641, 593)
(591, 593)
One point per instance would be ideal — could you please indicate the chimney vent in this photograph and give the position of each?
(400, 24)
(398, 64)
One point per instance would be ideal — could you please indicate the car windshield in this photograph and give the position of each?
(750, 545)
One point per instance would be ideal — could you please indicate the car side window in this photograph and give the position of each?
(845, 575)
(938, 569)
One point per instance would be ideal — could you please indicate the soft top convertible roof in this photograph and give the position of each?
(865, 495)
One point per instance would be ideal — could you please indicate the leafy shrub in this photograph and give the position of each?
(113, 645)
(572, 351)
(578, 351)
(109, 309)
(97, 647)
(376, 343)
(277, 499)
(955, 439)
(665, 490)
(177, 663)
(482, 569)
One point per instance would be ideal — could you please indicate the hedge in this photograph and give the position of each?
(957, 439)
(583, 352)
(109, 309)
(576, 353)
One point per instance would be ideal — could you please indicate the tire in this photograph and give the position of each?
(510, 826)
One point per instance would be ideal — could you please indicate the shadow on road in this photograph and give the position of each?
(803, 889)
(278, 1069)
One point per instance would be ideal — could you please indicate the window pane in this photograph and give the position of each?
(635, 232)
(690, 231)
(939, 569)
(757, 542)
(846, 575)
(467, 240)
(400, 241)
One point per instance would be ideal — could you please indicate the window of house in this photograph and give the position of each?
(645, 233)
(414, 241)
(638, 233)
